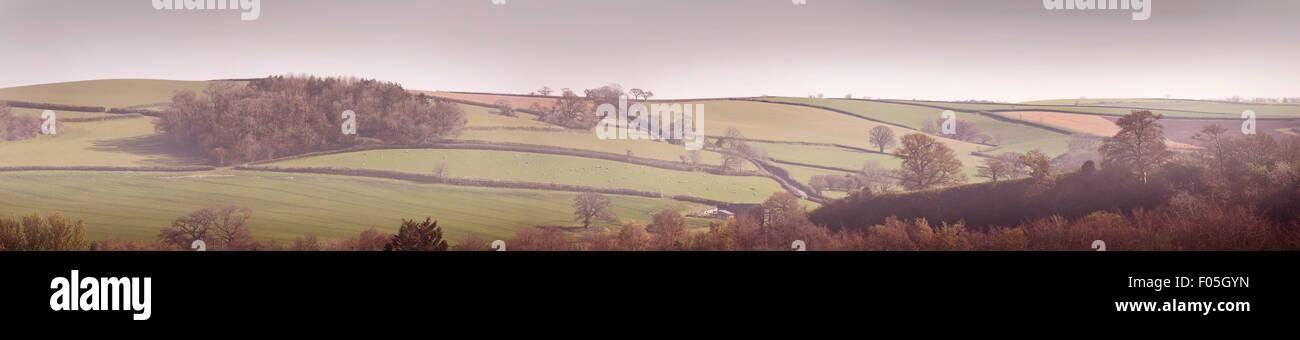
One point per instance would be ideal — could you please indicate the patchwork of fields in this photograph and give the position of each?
(1008, 136)
(805, 137)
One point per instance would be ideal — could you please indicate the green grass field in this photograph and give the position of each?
(135, 205)
(825, 155)
(588, 141)
(532, 167)
(118, 142)
(482, 116)
(1014, 137)
(906, 115)
(108, 92)
(769, 121)
(803, 173)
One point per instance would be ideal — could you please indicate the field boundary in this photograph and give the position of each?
(458, 181)
(51, 106)
(1051, 108)
(527, 148)
(100, 118)
(520, 128)
(700, 200)
(1166, 117)
(782, 177)
(1214, 101)
(487, 105)
(1061, 106)
(855, 115)
(109, 168)
(978, 112)
(558, 97)
(823, 167)
(77, 108)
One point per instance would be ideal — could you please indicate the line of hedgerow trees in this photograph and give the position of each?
(575, 111)
(36, 232)
(286, 115)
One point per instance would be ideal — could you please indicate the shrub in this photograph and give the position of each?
(221, 229)
(13, 127)
(34, 232)
(418, 236)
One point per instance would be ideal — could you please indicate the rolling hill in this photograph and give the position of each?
(803, 137)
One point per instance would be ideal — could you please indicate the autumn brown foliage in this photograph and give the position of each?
(14, 127)
(34, 232)
(279, 116)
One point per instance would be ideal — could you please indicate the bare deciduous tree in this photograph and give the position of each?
(633, 237)
(636, 94)
(570, 111)
(994, 169)
(1138, 146)
(668, 228)
(229, 229)
(590, 205)
(882, 137)
(607, 94)
(1037, 164)
(927, 163)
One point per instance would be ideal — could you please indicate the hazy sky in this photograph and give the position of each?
(972, 49)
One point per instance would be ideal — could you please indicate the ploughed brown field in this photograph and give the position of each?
(1077, 122)
(1101, 126)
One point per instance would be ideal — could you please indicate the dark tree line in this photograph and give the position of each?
(280, 116)
(1246, 175)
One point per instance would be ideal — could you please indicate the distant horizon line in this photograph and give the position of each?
(1245, 99)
